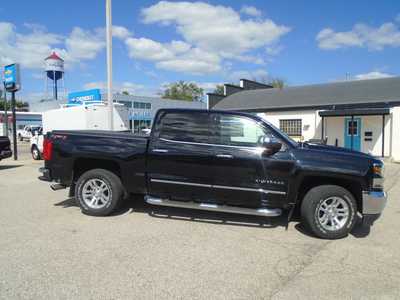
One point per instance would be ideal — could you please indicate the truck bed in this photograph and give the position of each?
(84, 149)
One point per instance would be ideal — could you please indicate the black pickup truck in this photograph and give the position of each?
(5, 149)
(218, 161)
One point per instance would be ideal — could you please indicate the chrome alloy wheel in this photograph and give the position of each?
(333, 213)
(96, 193)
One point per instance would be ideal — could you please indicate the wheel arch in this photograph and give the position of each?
(353, 185)
(82, 165)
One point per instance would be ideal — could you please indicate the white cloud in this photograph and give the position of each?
(250, 11)
(226, 33)
(372, 75)
(175, 56)
(31, 48)
(211, 34)
(258, 74)
(84, 44)
(148, 49)
(361, 35)
(28, 49)
(120, 32)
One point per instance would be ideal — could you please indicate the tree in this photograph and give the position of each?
(19, 105)
(219, 89)
(181, 90)
(125, 93)
(276, 82)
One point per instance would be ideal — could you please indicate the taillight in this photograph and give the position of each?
(47, 149)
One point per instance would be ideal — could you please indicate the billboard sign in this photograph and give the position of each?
(78, 98)
(12, 77)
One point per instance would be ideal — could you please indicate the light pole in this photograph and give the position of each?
(109, 64)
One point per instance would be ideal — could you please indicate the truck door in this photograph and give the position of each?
(243, 176)
(180, 157)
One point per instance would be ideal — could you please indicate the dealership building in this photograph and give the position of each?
(142, 109)
(362, 115)
(22, 119)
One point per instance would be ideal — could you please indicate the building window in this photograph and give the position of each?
(291, 127)
(142, 105)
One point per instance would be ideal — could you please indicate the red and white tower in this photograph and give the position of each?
(54, 69)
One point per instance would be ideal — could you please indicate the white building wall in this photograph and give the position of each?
(395, 137)
(311, 121)
(334, 129)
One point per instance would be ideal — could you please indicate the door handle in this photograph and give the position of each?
(225, 156)
(160, 150)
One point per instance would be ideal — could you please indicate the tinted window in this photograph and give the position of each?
(185, 127)
(238, 131)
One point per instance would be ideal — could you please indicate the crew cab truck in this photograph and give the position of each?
(218, 161)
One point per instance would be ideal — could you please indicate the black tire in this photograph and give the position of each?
(114, 185)
(36, 153)
(316, 199)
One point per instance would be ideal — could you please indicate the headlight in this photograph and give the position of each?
(377, 169)
(377, 180)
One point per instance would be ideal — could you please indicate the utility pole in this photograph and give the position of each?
(109, 64)
(5, 108)
(14, 125)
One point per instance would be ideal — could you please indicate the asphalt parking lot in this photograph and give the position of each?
(49, 250)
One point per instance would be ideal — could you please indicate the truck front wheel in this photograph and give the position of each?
(98, 192)
(329, 211)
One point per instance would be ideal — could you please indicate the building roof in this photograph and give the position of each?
(54, 56)
(384, 90)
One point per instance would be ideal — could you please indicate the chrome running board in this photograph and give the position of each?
(266, 212)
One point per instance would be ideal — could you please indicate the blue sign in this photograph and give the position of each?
(78, 98)
(12, 78)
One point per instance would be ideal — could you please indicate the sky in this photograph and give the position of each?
(213, 42)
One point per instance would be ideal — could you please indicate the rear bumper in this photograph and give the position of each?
(373, 203)
(46, 176)
(5, 154)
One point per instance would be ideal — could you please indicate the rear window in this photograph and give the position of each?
(185, 127)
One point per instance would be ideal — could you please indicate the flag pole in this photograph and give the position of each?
(109, 64)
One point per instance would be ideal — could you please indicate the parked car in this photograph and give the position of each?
(5, 147)
(37, 145)
(218, 161)
(27, 132)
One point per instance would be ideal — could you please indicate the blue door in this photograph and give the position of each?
(352, 127)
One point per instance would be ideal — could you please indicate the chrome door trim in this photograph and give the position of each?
(248, 189)
(180, 183)
(224, 156)
(160, 150)
(219, 186)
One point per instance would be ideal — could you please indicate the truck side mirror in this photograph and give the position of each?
(271, 145)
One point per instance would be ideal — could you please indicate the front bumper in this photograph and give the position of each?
(373, 202)
(5, 154)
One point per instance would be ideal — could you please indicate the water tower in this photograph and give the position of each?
(54, 73)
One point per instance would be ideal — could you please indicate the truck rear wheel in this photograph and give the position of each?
(98, 192)
(329, 211)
